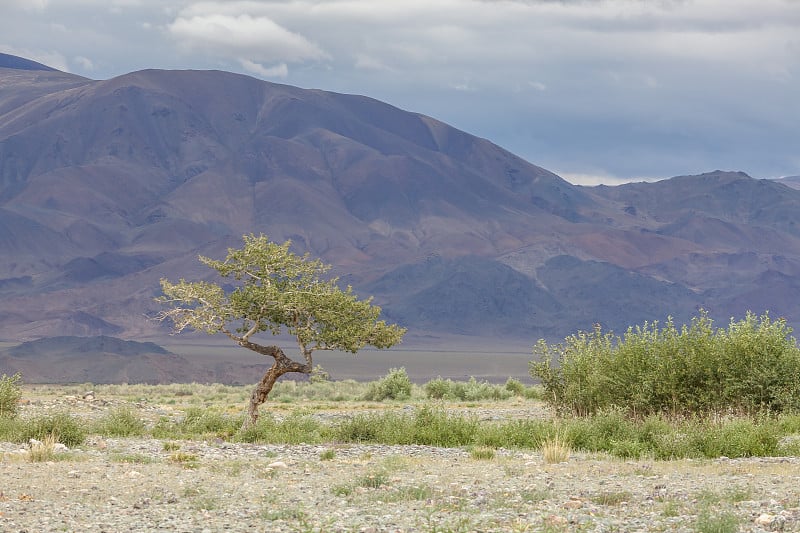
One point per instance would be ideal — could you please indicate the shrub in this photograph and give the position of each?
(10, 393)
(119, 422)
(66, 429)
(197, 422)
(752, 367)
(472, 390)
(431, 426)
(438, 389)
(393, 386)
(515, 387)
(294, 429)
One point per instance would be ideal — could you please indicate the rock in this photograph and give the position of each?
(278, 464)
(765, 519)
(88, 395)
(573, 504)
(60, 448)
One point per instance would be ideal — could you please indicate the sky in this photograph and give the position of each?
(600, 91)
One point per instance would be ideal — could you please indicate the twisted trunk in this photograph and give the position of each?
(281, 366)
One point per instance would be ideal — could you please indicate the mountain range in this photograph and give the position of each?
(108, 186)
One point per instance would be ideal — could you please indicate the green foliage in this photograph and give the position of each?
(66, 429)
(427, 425)
(393, 386)
(294, 429)
(277, 290)
(197, 422)
(713, 522)
(472, 390)
(119, 422)
(752, 367)
(319, 375)
(10, 393)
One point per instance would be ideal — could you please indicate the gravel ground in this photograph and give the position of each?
(144, 484)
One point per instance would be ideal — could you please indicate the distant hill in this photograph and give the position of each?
(107, 186)
(20, 63)
(101, 359)
(790, 181)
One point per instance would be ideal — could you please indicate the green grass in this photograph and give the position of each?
(443, 422)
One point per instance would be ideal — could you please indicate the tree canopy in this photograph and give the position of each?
(276, 291)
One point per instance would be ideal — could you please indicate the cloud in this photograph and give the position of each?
(28, 5)
(257, 37)
(619, 88)
(598, 179)
(278, 71)
(83, 62)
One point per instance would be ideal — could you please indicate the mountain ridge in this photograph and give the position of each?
(107, 186)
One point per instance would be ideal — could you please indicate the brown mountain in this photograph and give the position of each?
(106, 186)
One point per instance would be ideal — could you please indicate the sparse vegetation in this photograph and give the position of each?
(496, 443)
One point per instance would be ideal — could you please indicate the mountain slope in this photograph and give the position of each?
(107, 186)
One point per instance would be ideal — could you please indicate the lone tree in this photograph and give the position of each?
(276, 290)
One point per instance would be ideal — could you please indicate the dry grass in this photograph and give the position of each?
(556, 450)
(44, 450)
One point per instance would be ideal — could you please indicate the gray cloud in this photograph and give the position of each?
(619, 89)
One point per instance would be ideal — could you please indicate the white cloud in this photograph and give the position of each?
(28, 5)
(367, 62)
(258, 37)
(626, 86)
(83, 62)
(599, 179)
(278, 71)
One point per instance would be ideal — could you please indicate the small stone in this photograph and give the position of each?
(765, 519)
(278, 464)
(573, 504)
(88, 395)
(555, 520)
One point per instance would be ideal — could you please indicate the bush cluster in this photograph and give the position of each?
(472, 390)
(752, 367)
(395, 385)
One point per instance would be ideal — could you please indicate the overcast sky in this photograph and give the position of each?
(596, 91)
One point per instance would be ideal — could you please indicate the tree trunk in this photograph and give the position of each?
(281, 366)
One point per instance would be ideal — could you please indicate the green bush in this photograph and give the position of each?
(119, 422)
(427, 425)
(10, 393)
(197, 422)
(294, 429)
(472, 390)
(515, 387)
(66, 429)
(752, 367)
(393, 386)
